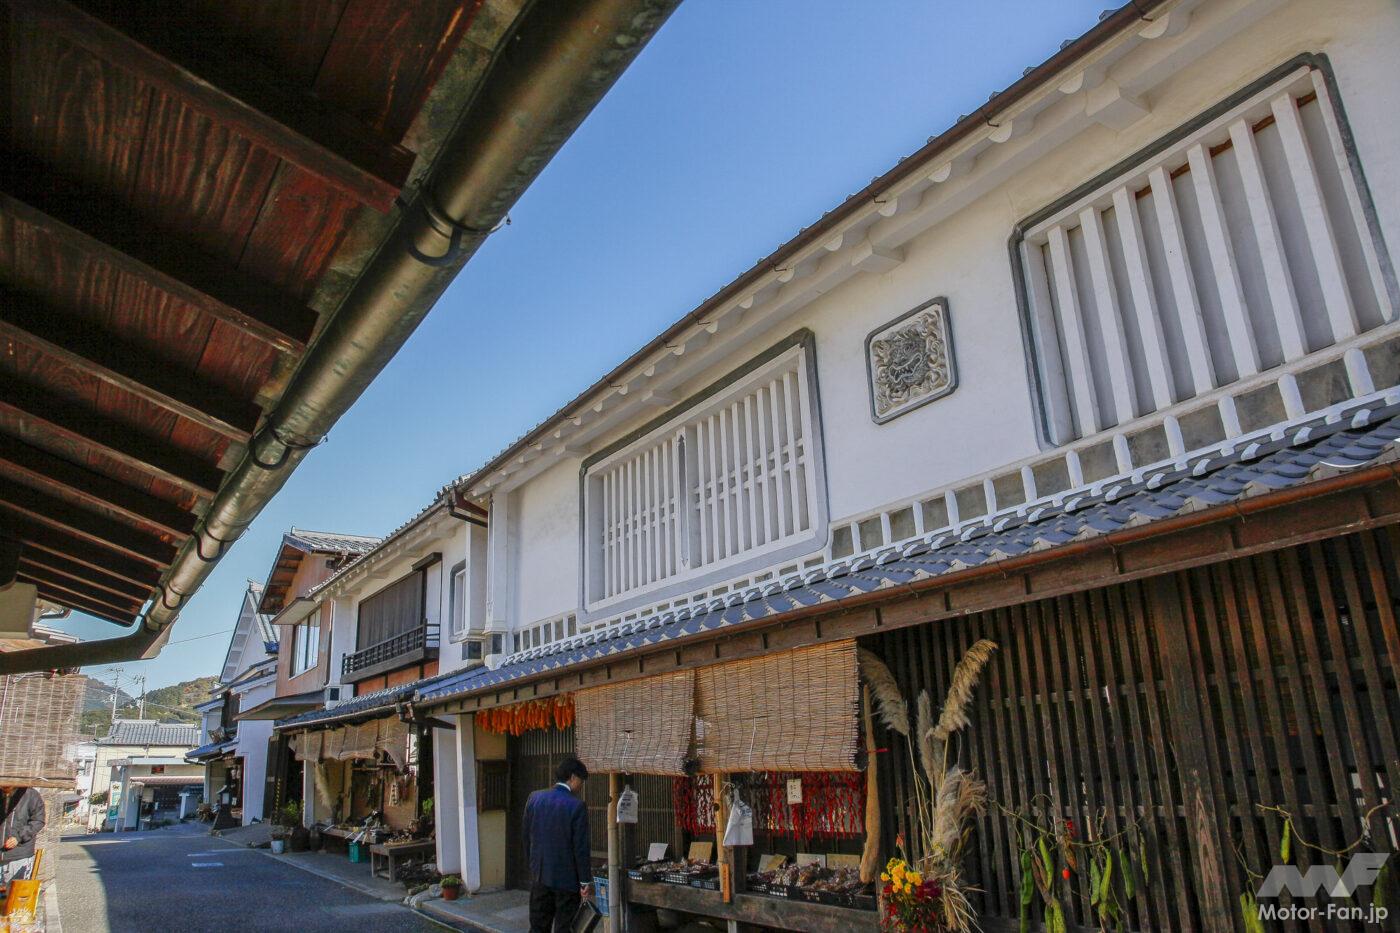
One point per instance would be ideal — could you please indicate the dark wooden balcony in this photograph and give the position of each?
(409, 647)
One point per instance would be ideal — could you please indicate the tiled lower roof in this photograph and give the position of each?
(1286, 460)
(212, 749)
(365, 705)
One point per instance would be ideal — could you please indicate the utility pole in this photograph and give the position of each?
(116, 690)
(142, 713)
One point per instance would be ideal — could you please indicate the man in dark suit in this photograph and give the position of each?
(557, 849)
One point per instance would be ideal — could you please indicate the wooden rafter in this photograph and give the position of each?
(119, 604)
(292, 124)
(54, 474)
(100, 355)
(56, 513)
(91, 607)
(59, 567)
(106, 231)
(41, 540)
(72, 424)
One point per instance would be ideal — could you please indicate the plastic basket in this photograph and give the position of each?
(600, 895)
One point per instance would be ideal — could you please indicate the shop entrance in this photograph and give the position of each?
(533, 757)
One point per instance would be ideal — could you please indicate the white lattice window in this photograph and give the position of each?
(1241, 246)
(734, 477)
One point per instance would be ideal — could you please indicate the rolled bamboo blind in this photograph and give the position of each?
(794, 711)
(307, 745)
(333, 744)
(393, 740)
(360, 741)
(638, 727)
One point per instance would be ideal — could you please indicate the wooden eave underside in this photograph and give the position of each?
(1368, 499)
(175, 180)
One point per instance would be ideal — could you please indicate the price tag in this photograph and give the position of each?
(794, 790)
(836, 860)
(701, 851)
(772, 862)
(656, 852)
(810, 858)
(627, 806)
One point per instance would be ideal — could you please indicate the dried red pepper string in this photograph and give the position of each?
(833, 804)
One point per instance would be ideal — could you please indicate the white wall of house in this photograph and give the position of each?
(989, 423)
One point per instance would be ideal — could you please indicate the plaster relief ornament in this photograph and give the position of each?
(910, 361)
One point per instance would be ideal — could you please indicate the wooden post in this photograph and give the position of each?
(614, 918)
(722, 855)
(1192, 756)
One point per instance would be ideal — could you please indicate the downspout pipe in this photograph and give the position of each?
(562, 58)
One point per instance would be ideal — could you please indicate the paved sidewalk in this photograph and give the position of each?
(497, 912)
(334, 866)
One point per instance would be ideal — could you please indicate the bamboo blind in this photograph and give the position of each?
(307, 745)
(794, 711)
(360, 741)
(638, 727)
(393, 739)
(38, 728)
(332, 744)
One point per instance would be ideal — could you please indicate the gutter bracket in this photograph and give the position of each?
(454, 230)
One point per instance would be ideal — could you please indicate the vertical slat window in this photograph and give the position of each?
(730, 478)
(1243, 246)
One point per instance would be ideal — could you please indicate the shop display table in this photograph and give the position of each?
(384, 857)
(755, 909)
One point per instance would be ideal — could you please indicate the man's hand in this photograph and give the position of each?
(11, 842)
(585, 891)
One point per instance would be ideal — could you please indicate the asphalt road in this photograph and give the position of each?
(183, 879)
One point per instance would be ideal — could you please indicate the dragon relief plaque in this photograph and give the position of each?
(910, 361)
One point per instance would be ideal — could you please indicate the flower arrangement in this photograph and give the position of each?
(930, 893)
(911, 901)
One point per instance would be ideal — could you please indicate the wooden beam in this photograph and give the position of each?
(73, 424)
(107, 359)
(236, 92)
(118, 604)
(57, 567)
(76, 551)
(105, 230)
(56, 475)
(66, 517)
(105, 613)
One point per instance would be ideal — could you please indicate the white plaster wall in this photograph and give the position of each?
(252, 748)
(546, 547)
(989, 421)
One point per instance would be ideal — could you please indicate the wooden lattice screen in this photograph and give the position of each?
(1189, 700)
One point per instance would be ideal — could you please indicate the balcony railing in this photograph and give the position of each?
(415, 642)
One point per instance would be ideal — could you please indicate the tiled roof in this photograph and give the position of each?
(266, 633)
(1306, 454)
(367, 704)
(329, 542)
(368, 554)
(150, 732)
(210, 750)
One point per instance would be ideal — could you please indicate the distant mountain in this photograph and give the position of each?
(99, 695)
(174, 703)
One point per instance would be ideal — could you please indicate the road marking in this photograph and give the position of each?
(219, 852)
(206, 864)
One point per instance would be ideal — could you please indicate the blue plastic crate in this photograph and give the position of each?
(600, 895)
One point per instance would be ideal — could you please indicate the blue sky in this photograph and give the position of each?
(741, 122)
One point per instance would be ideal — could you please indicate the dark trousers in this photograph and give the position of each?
(552, 911)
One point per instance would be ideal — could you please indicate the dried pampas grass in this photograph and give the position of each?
(965, 676)
(894, 712)
(923, 730)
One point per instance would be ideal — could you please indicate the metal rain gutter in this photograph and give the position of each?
(556, 67)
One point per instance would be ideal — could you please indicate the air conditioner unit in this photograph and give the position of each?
(338, 694)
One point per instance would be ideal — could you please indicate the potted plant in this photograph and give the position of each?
(285, 821)
(451, 887)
